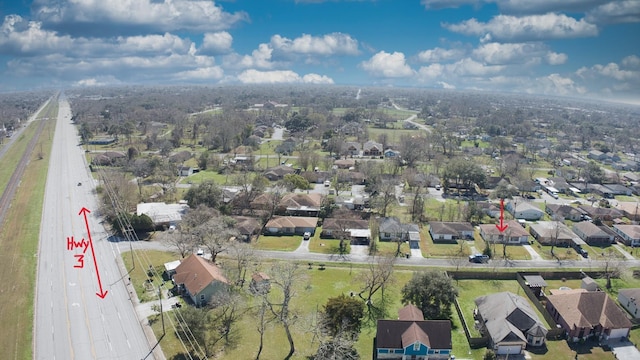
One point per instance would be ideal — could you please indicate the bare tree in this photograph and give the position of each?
(244, 256)
(385, 196)
(180, 239)
(284, 276)
(216, 234)
(377, 275)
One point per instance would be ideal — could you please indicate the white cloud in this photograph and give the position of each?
(216, 43)
(163, 15)
(384, 64)
(517, 53)
(519, 6)
(620, 11)
(439, 54)
(632, 61)
(154, 44)
(432, 71)
(200, 74)
(260, 58)
(533, 27)
(253, 76)
(19, 36)
(554, 58)
(555, 84)
(316, 79)
(446, 85)
(100, 81)
(329, 44)
(614, 71)
(470, 67)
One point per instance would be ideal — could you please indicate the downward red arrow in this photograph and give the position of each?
(84, 212)
(502, 226)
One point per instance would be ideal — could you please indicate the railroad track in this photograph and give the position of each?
(14, 180)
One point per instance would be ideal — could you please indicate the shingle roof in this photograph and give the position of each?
(292, 222)
(454, 228)
(507, 316)
(196, 273)
(410, 312)
(392, 334)
(589, 309)
(514, 229)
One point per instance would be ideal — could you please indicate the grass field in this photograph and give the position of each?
(19, 242)
(281, 243)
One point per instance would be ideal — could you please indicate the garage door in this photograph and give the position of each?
(618, 333)
(514, 349)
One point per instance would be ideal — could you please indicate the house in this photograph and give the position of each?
(260, 283)
(585, 314)
(555, 233)
(630, 300)
(352, 148)
(522, 209)
(199, 279)
(344, 163)
(390, 153)
(163, 214)
(450, 231)
(563, 212)
(600, 190)
(510, 322)
(296, 204)
(278, 172)
(372, 148)
(247, 226)
(631, 210)
(412, 337)
(354, 229)
(489, 208)
(391, 229)
(185, 170)
(596, 155)
(514, 234)
(605, 214)
(291, 225)
(617, 189)
(630, 234)
(592, 234)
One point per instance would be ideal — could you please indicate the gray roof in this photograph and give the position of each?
(507, 316)
(535, 280)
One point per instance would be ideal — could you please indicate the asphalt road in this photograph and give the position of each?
(71, 321)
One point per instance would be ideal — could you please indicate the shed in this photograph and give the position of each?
(536, 283)
(589, 284)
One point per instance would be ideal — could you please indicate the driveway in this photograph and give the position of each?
(532, 252)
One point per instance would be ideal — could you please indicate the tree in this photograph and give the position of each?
(378, 274)
(284, 276)
(593, 173)
(227, 310)
(343, 314)
(216, 234)
(207, 193)
(293, 181)
(431, 291)
(337, 348)
(385, 195)
(504, 190)
(181, 240)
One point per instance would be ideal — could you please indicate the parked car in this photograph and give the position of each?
(306, 235)
(479, 258)
(584, 253)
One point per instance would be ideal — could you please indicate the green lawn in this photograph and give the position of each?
(393, 135)
(431, 249)
(220, 179)
(140, 274)
(281, 243)
(326, 246)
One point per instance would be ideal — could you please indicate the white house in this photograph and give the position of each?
(522, 209)
(630, 300)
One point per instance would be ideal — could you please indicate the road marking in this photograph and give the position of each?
(128, 344)
(72, 284)
(118, 312)
(75, 304)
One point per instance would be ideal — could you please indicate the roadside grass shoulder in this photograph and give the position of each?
(20, 246)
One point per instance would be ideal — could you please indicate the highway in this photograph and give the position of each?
(71, 320)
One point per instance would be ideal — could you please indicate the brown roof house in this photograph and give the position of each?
(278, 172)
(199, 279)
(513, 234)
(630, 234)
(300, 204)
(510, 322)
(372, 148)
(356, 230)
(450, 231)
(555, 233)
(291, 225)
(592, 234)
(584, 314)
(412, 337)
(565, 212)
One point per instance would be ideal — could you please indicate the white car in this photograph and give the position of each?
(306, 235)
(200, 252)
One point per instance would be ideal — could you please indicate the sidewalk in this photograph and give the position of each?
(623, 252)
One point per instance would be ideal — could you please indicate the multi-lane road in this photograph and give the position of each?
(71, 320)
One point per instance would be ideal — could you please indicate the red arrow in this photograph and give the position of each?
(84, 212)
(502, 227)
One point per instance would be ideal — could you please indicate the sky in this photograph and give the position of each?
(576, 48)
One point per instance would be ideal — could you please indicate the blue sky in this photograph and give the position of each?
(579, 48)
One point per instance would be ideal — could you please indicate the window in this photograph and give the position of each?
(416, 346)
